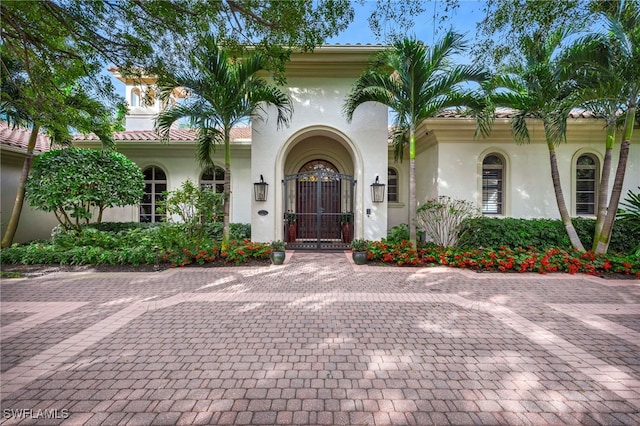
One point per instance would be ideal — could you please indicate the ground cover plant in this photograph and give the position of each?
(163, 245)
(169, 245)
(503, 259)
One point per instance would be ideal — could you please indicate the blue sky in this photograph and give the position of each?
(463, 20)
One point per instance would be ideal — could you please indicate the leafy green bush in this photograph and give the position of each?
(195, 207)
(38, 253)
(118, 227)
(74, 183)
(541, 233)
(629, 215)
(85, 237)
(239, 231)
(398, 233)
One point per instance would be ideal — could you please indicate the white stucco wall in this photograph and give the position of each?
(318, 112)
(178, 160)
(528, 186)
(33, 224)
(398, 212)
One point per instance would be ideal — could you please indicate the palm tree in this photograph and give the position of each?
(534, 88)
(417, 83)
(607, 64)
(223, 92)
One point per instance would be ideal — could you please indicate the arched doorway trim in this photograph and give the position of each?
(353, 166)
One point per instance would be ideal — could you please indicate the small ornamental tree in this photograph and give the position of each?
(74, 183)
(441, 219)
(193, 206)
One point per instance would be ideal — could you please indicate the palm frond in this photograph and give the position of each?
(208, 138)
(370, 87)
(399, 141)
(450, 44)
(273, 96)
(619, 36)
(555, 126)
(519, 128)
(171, 115)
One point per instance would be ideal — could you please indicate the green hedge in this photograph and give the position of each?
(120, 226)
(119, 243)
(541, 233)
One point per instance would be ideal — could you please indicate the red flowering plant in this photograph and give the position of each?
(401, 254)
(504, 259)
(237, 252)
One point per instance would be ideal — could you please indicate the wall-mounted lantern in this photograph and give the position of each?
(260, 190)
(377, 191)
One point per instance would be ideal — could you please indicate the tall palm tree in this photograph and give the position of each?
(607, 64)
(417, 83)
(223, 92)
(535, 89)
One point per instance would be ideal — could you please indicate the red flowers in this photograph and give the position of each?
(206, 252)
(504, 259)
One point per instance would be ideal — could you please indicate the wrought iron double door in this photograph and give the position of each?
(317, 200)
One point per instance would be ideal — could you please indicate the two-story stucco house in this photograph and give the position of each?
(322, 168)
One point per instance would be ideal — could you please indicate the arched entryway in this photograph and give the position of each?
(318, 192)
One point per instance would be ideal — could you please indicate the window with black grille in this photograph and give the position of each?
(493, 185)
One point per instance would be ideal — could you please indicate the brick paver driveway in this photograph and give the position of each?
(319, 341)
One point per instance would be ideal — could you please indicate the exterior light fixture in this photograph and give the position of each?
(377, 191)
(260, 190)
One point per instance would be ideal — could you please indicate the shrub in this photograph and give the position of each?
(629, 215)
(496, 232)
(74, 182)
(117, 227)
(541, 233)
(441, 219)
(239, 231)
(194, 207)
(398, 233)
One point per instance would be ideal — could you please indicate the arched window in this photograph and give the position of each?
(392, 185)
(586, 183)
(318, 166)
(135, 97)
(493, 185)
(155, 182)
(213, 178)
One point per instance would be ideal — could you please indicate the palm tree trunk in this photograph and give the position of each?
(227, 188)
(12, 226)
(562, 206)
(602, 245)
(412, 186)
(603, 193)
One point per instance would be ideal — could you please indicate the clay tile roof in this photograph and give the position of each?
(18, 137)
(182, 135)
(508, 113)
